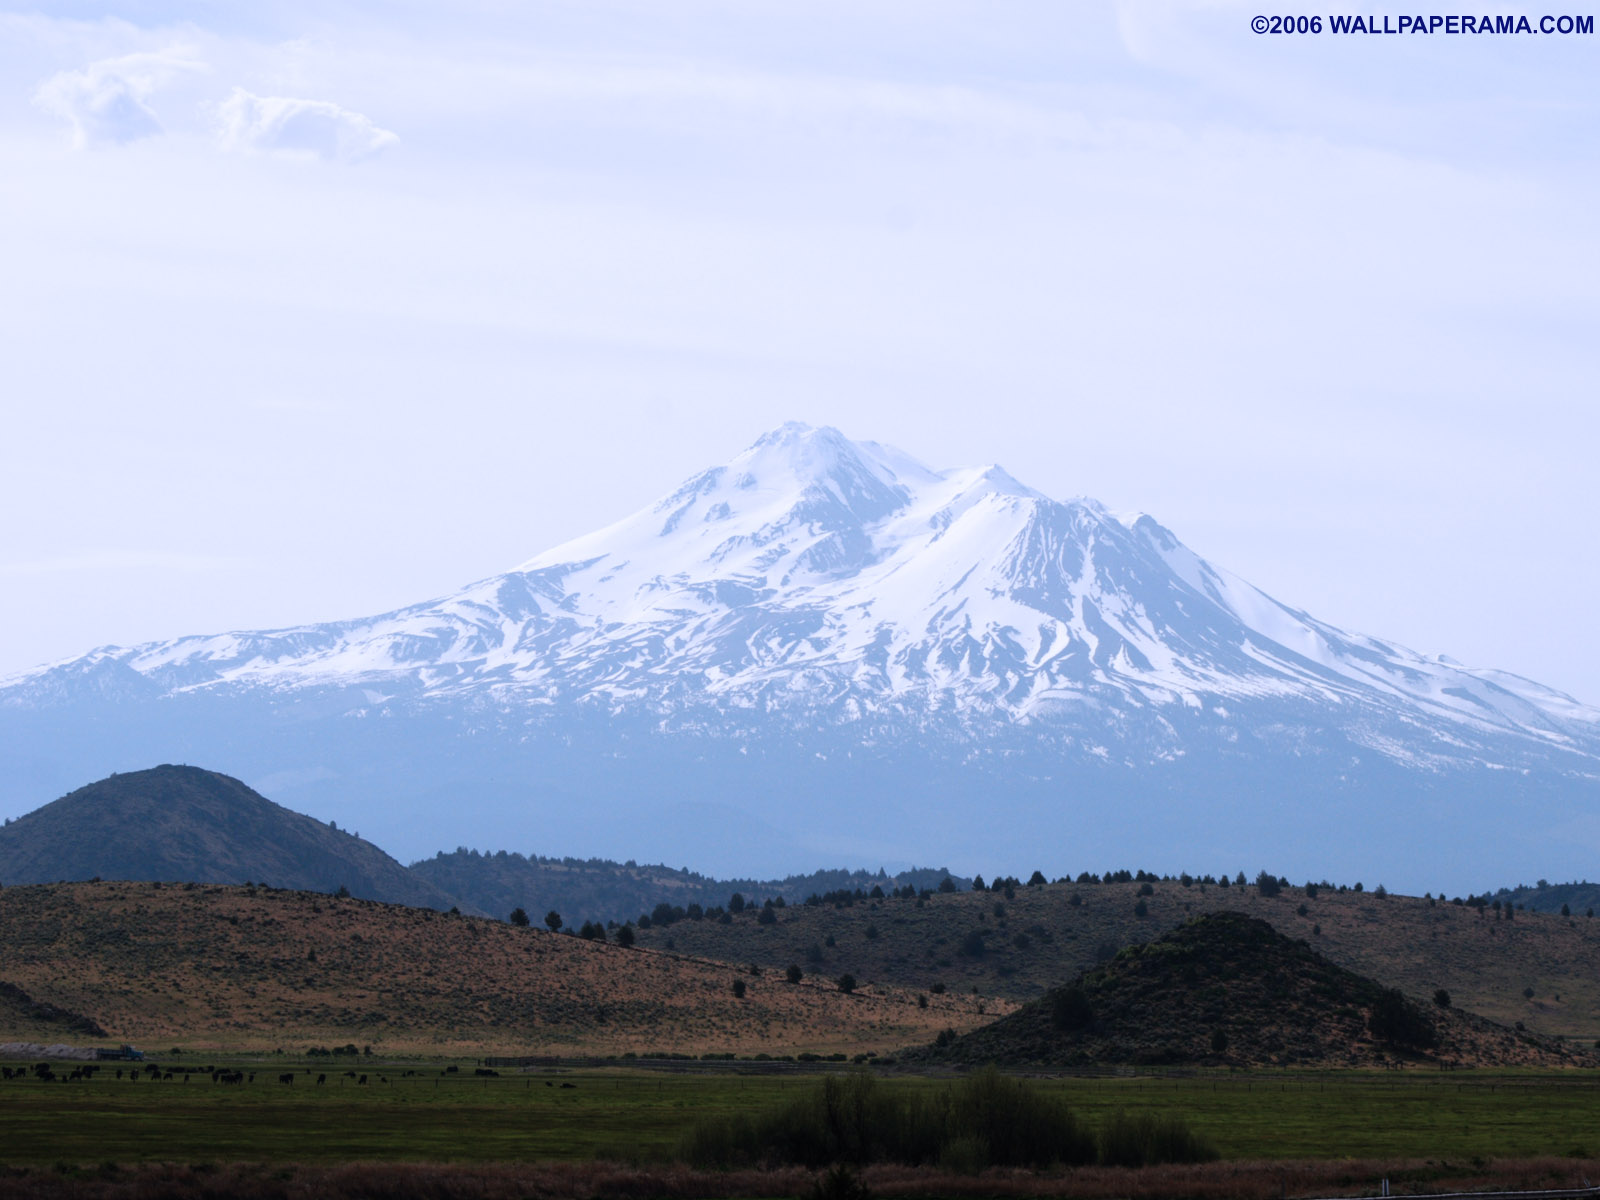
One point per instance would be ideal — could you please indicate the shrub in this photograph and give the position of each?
(1141, 909)
(1441, 998)
(519, 917)
(738, 989)
(794, 974)
(972, 944)
(1267, 884)
(839, 1183)
(1395, 1021)
(625, 935)
(766, 917)
(553, 920)
(1143, 1139)
(847, 983)
(736, 903)
(1147, 889)
(986, 1119)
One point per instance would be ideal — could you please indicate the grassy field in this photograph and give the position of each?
(1464, 1117)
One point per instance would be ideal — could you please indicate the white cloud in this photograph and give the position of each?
(282, 123)
(106, 101)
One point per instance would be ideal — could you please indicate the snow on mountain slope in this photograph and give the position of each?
(828, 579)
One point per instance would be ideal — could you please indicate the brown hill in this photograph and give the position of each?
(1229, 990)
(234, 967)
(1022, 946)
(180, 823)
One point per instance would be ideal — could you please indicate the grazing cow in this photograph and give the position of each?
(567, 1085)
(321, 1079)
(362, 1082)
(288, 1078)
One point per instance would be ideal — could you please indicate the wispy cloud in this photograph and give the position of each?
(107, 101)
(282, 123)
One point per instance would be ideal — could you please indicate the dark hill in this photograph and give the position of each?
(1226, 989)
(596, 888)
(178, 823)
(1019, 942)
(1581, 897)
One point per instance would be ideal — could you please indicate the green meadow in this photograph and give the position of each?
(638, 1115)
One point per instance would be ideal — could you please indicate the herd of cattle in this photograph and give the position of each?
(45, 1073)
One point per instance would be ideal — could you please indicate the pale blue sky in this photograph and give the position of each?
(312, 310)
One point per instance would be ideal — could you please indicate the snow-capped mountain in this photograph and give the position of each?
(822, 613)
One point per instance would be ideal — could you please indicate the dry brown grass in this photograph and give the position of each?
(205, 966)
(591, 1181)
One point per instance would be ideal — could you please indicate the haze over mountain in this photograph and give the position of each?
(825, 652)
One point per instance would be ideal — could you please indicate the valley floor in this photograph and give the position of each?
(1326, 1132)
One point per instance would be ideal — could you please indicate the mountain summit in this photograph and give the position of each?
(825, 648)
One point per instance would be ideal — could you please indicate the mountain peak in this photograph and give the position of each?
(840, 601)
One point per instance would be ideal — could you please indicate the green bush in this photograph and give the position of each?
(985, 1120)
(1143, 1139)
(1394, 1020)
